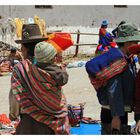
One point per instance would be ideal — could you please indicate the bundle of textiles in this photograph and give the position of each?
(103, 67)
(102, 49)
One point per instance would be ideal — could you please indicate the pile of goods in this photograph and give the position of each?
(5, 68)
(6, 125)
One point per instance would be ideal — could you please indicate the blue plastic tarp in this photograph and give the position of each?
(86, 129)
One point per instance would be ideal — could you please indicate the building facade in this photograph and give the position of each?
(75, 15)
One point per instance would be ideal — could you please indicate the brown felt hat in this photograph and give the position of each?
(30, 33)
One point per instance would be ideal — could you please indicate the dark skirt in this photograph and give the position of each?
(29, 126)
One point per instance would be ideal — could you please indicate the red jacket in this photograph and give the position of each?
(102, 31)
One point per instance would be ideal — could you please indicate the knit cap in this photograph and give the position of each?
(44, 52)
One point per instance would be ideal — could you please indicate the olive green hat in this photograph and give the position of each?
(127, 32)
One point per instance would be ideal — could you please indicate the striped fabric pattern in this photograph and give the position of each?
(103, 76)
(39, 96)
(103, 67)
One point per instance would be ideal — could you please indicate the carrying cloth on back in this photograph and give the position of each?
(103, 67)
(40, 97)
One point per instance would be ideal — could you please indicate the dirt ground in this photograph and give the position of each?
(77, 90)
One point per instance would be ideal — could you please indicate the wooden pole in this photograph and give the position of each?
(85, 44)
(77, 42)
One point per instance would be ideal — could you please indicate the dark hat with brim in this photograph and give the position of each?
(30, 40)
(127, 33)
(30, 33)
(134, 49)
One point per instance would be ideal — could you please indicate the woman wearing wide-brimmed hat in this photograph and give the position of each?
(116, 93)
(36, 85)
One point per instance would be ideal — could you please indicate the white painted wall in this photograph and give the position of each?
(71, 18)
(75, 15)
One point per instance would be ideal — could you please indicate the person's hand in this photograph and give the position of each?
(116, 122)
(137, 129)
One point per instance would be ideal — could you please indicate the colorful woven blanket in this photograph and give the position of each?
(40, 97)
(103, 67)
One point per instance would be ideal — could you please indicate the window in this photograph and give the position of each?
(120, 6)
(44, 6)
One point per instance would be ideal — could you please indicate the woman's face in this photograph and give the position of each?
(24, 51)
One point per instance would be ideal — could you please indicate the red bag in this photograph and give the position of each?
(61, 41)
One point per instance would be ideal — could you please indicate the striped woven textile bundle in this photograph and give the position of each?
(101, 68)
(107, 73)
(39, 96)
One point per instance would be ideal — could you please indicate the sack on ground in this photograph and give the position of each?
(75, 114)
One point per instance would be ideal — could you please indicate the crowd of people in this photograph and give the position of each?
(36, 97)
(113, 74)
